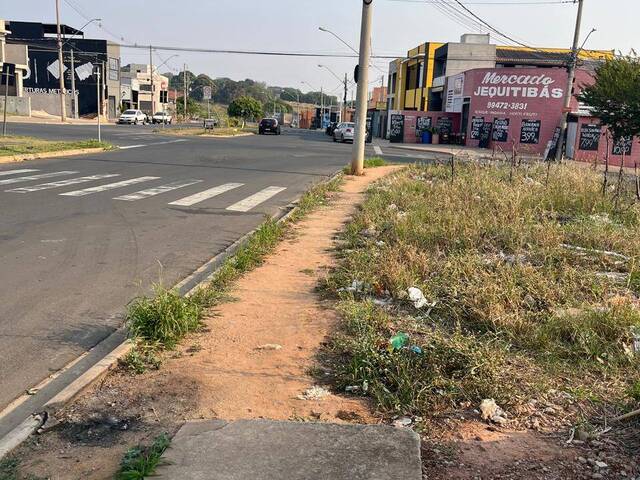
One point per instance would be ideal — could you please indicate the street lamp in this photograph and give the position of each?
(371, 64)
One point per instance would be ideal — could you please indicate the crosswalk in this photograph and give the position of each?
(189, 192)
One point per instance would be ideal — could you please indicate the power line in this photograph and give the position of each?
(502, 3)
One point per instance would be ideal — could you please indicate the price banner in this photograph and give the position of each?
(530, 132)
(476, 127)
(589, 137)
(500, 129)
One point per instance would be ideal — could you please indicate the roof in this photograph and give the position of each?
(539, 57)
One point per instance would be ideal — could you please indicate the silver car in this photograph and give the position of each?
(132, 117)
(344, 132)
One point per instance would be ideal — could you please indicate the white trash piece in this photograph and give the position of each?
(418, 298)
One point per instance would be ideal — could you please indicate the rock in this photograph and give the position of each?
(582, 460)
(402, 422)
(314, 393)
(601, 464)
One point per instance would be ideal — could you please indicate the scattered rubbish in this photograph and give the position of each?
(314, 393)
(269, 346)
(512, 259)
(617, 277)
(416, 349)
(402, 422)
(398, 341)
(380, 243)
(356, 286)
(392, 208)
(600, 464)
(602, 219)
(489, 410)
(369, 232)
(32, 391)
(351, 388)
(365, 386)
(635, 332)
(595, 250)
(401, 215)
(417, 297)
(382, 302)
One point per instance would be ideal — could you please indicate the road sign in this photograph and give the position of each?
(206, 93)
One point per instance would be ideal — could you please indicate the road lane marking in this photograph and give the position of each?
(131, 146)
(157, 190)
(14, 172)
(377, 149)
(205, 195)
(255, 199)
(108, 186)
(62, 183)
(30, 178)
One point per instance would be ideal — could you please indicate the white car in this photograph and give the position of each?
(344, 132)
(133, 117)
(161, 117)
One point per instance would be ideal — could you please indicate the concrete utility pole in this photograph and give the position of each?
(153, 110)
(321, 108)
(357, 156)
(568, 93)
(344, 102)
(98, 100)
(73, 86)
(63, 113)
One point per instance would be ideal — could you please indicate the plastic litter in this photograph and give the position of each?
(417, 297)
(489, 410)
(398, 341)
(402, 422)
(356, 286)
(416, 349)
(269, 346)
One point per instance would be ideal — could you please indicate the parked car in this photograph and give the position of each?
(269, 125)
(344, 132)
(162, 117)
(133, 117)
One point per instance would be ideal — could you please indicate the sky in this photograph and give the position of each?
(292, 26)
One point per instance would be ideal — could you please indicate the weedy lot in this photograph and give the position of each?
(531, 284)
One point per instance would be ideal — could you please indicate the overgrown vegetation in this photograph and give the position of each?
(528, 283)
(10, 470)
(369, 162)
(159, 321)
(16, 145)
(140, 462)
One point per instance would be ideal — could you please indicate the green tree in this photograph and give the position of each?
(615, 96)
(245, 107)
(194, 109)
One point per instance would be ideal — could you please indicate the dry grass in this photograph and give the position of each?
(523, 295)
(16, 145)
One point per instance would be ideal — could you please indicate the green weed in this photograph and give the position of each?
(140, 462)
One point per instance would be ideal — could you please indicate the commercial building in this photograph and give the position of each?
(82, 59)
(501, 98)
(17, 57)
(138, 91)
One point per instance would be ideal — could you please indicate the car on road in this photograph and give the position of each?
(269, 125)
(162, 117)
(344, 132)
(133, 117)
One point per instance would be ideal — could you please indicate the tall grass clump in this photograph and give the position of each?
(528, 279)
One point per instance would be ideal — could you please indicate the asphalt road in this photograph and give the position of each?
(81, 236)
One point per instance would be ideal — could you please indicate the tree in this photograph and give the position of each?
(615, 96)
(245, 107)
(194, 109)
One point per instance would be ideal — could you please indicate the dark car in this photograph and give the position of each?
(331, 128)
(269, 125)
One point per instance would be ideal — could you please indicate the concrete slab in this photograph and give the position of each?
(268, 450)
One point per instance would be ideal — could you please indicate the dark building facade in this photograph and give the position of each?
(42, 83)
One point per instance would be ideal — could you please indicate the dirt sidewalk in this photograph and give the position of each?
(253, 361)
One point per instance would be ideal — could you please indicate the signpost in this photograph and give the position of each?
(206, 95)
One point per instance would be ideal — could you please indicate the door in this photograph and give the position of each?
(572, 133)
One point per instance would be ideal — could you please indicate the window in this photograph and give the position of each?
(420, 82)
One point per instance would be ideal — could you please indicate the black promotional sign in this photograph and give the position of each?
(424, 123)
(396, 134)
(445, 125)
(622, 146)
(369, 130)
(476, 127)
(553, 145)
(530, 131)
(589, 137)
(485, 134)
(500, 129)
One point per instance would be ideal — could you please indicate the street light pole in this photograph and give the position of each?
(573, 61)
(153, 110)
(63, 113)
(357, 156)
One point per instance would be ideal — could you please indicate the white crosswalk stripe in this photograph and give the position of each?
(150, 192)
(256, 199)
(40, 176)
(62, 183)
(15, 172)
(205, 195)
(108, 186)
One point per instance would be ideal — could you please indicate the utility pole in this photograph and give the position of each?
(6, 97)
(568, 93)
(63, 113)
(73, 86)
(321, 108)
(98, 100)
(344, 102)
(103, 86)
(357, 156)
(184, 80)
(153, 110)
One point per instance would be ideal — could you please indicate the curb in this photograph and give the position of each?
(52, 154)
(98, 370)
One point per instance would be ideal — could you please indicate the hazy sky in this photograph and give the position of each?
(292, 25)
